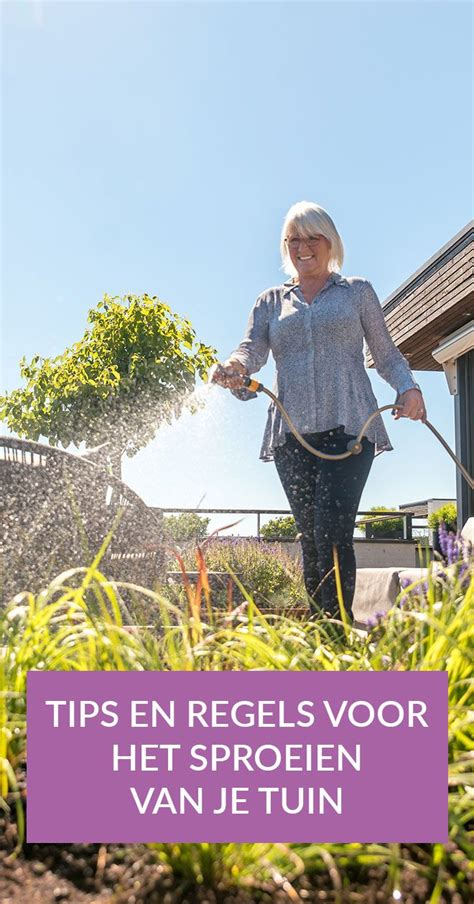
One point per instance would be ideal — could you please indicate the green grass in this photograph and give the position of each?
(76, 624)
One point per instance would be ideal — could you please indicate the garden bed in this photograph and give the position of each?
(430, 629)
(77, 874)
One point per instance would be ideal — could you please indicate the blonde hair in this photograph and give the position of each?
(311, 219)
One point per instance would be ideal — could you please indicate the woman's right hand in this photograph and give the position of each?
(229, 374)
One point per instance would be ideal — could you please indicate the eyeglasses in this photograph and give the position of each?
(294, 242)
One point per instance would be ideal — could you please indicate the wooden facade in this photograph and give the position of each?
(426, 309)
(434, 302)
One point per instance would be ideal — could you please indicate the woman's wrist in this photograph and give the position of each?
(401, 392)
(412, 404)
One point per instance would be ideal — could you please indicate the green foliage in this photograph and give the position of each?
(132, 370)
(433, 631)
(185, 526)
(279, 527)
(266, 570)
(386, 526)
(447, 514)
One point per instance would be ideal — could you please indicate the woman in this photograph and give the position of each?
(315, 325)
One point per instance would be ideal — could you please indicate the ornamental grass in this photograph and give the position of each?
(76, 623)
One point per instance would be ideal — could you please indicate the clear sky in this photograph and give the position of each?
(155, 147)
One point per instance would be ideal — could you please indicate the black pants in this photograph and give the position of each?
(324, 497)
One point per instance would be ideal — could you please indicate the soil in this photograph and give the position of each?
(117, 874)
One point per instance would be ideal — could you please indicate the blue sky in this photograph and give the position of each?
(155, 147)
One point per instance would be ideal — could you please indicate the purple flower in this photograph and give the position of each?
(452, 545)
(416, 594)
(376, 618)
(443, 537)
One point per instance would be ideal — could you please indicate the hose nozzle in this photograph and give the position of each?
(232, 379)
(252, 385)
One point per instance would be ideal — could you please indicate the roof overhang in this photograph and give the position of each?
(434, 302)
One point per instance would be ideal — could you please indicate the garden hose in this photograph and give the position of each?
(354, 446)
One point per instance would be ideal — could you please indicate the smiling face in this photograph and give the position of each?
(309, 255)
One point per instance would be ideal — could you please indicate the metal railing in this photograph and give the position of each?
(368, 517)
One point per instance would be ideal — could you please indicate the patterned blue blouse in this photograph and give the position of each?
(318, 349)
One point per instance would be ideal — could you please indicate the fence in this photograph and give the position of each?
(406, 517)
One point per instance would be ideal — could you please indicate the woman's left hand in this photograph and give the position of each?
(413, 406)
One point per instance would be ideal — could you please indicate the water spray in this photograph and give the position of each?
(354, 446)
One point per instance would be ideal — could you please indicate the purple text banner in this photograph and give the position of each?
(237, 757)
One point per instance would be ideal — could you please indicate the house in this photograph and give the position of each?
(431, 320)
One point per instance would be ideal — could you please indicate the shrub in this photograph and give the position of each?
(266, 570)
(185, 526)
(279, 527)
(446, 514)
(384, 527)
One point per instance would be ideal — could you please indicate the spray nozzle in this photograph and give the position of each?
(233, 379)
(252, 385)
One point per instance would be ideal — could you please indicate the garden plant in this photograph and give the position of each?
(271, 576)
(431, 629)
(382, 527)
(277, 528)
(445, 514)
(134, 369)
(185, 527)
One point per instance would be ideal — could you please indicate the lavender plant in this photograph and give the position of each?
(456, 570)
(267, 571)
(455, 549)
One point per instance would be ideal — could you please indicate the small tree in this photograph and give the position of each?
(134, 369)
(186, 526)
(279, 527)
